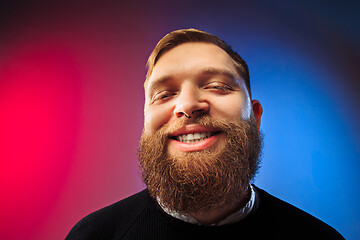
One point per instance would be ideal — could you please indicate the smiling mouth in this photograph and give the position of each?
(194, 137)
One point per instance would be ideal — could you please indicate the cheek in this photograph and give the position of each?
(156, 117)
(234, 107)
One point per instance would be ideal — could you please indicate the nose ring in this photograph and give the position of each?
(187, 115)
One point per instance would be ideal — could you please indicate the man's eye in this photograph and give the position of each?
(166, 95)
(162, 96)
(218, 86)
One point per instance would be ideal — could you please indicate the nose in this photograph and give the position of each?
(190, 104)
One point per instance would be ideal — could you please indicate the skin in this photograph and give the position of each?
(197, 78)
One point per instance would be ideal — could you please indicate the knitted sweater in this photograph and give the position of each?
(140, 217)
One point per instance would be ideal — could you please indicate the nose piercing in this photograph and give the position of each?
(187, 115)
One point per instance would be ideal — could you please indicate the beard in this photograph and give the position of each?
(196, 182)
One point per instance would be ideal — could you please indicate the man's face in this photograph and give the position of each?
(194, 79)
(201, 145)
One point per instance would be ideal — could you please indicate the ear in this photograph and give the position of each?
(258, 110)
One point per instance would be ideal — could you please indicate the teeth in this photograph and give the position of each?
(197, 135)
(194, 137)
(190, 136)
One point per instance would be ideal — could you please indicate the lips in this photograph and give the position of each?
(193, 138)
(193, 133)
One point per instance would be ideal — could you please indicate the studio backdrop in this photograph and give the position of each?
(71, 103)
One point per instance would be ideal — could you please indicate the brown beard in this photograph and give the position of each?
(196, 182)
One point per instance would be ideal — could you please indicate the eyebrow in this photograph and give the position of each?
(206, 71)
(219, 71)
(159, 82)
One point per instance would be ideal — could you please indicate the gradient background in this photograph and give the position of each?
(71, 103)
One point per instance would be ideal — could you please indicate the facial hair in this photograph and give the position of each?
(196, 182)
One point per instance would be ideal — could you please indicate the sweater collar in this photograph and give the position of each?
(250, 206)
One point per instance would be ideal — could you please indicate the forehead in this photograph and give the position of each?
(187, 59)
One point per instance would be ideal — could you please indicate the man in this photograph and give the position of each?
(199, 151)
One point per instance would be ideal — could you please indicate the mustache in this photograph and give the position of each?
(203, 120)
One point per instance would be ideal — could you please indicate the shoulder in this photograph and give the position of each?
(291, 219)
(111, 221)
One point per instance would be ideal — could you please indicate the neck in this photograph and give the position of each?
(216, 214)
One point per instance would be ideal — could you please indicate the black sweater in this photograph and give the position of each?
(139, 217)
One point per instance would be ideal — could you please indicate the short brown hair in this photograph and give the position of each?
(178, 37)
